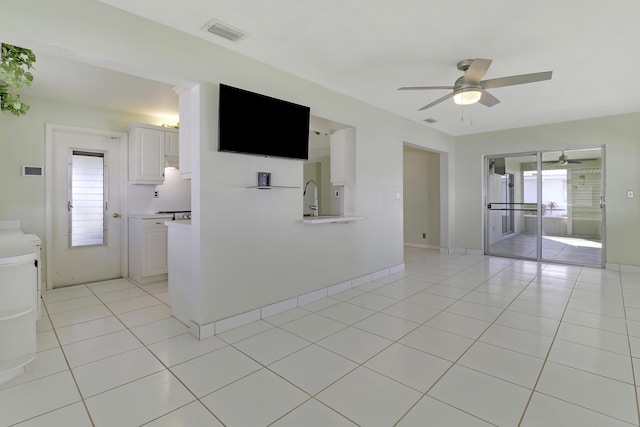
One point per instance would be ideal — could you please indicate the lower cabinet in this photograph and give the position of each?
(147, 250)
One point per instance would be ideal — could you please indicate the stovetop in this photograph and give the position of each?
(177, 214)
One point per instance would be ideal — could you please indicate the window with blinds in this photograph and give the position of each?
(87, 199)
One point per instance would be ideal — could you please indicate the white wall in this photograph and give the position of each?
(22, 142)
(620, 135)
(258, 252)
(173, 195)
(253, 248)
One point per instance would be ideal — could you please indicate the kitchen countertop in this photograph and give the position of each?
(325, 219)
(151, 216)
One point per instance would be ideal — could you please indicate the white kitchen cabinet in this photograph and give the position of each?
(147, 249)
(148, 148)
(171, 143)
(342, 166)
(189, 127)
(171, 149)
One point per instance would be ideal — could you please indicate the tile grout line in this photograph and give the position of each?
(396, 341)
(311, 343)
(546, 358)
(75, 381)
(196, 399)
(455, 363)
(626, 325)
(125, 328)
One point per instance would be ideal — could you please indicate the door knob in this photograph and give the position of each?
(116, 215)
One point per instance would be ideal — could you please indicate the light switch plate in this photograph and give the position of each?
(629, 194)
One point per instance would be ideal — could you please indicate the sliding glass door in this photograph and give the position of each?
(573, 208)
(510, 221)
(556, 206)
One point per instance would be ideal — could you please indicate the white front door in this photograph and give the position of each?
(85, 177)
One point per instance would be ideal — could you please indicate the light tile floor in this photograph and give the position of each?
(454, 340)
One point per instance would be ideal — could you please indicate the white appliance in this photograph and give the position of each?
(11, 230)
(19, 282)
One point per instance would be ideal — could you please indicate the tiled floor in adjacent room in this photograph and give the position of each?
(455, 340)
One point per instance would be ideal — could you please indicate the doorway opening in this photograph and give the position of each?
(422, 198)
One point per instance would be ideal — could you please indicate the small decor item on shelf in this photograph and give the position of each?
(264, 179)
(15, 63)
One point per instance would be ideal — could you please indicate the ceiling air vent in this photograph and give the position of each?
(430, 120)
(224, 31)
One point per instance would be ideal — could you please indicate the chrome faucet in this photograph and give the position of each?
(314, 206)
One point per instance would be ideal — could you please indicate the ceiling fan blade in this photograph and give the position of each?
(437, 101)
(488, 100)
(476, 70)
(424, 87)
(516, 80)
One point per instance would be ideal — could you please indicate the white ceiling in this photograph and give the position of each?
(63, 79)
(369, 48)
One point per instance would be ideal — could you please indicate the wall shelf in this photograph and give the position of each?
(269, 187)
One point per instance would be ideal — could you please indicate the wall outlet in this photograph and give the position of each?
(155, 194)
(424, 235)
(629, 194)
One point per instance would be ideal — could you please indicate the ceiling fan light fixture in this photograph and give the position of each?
(467, 97)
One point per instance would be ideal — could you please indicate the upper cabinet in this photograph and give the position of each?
(343, 166)
(171, 149)
(148, 147)
(189, 127)
(343, 154)
(171, 146)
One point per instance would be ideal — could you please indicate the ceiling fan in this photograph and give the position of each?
(470, 88)
(564, 160)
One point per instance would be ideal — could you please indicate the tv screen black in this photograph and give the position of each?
(251, 123)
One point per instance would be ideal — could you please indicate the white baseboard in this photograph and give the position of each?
(630, 269)
(214, 328)
(475, 252)
(421, 246)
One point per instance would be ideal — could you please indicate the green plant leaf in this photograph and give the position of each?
(15, 63)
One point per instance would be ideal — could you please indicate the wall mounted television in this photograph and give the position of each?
(251, 123)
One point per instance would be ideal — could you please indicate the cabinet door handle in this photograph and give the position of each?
(116, 215)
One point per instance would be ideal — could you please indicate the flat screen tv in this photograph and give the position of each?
(251, 123)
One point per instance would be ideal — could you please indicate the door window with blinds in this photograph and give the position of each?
(87, 198)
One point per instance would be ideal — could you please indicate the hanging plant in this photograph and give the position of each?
(15, 63)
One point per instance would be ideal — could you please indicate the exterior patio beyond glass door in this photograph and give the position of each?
(510, 227)
(546, 206)
(572, 209)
